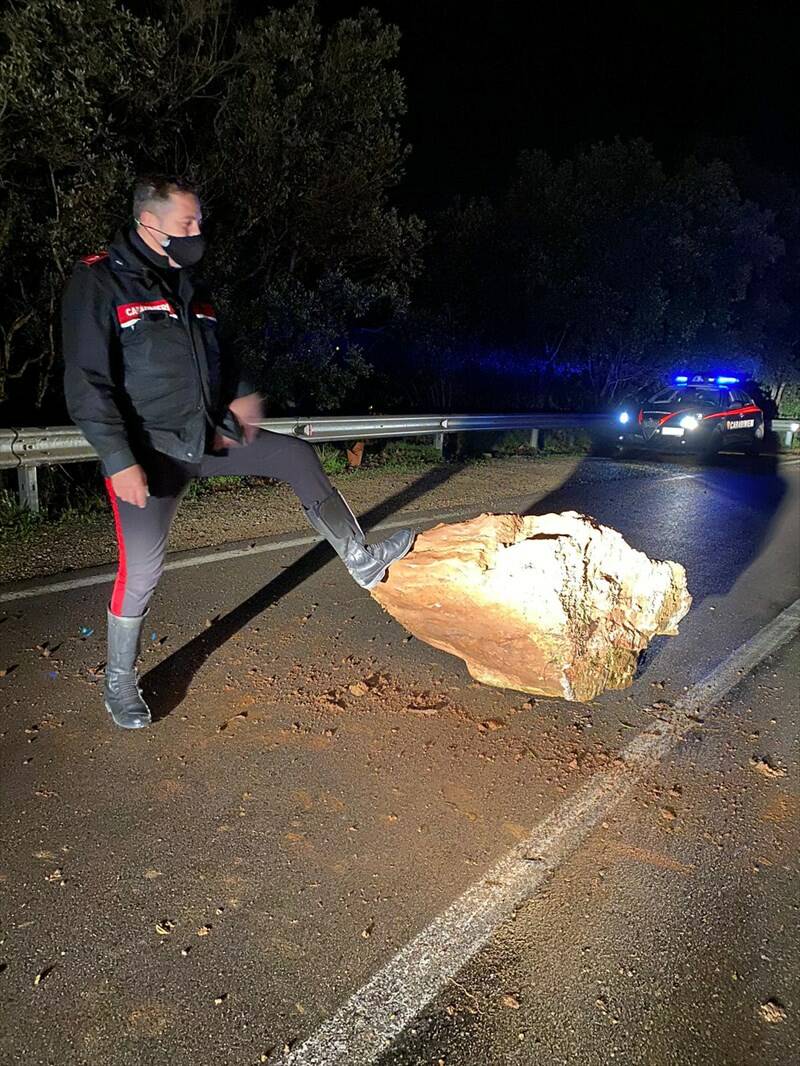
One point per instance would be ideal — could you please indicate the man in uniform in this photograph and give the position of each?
(161, 403)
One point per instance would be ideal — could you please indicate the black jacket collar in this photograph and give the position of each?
(130, 255)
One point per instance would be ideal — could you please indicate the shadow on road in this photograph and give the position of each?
(166, 685)
(715, 530)
(712, 515)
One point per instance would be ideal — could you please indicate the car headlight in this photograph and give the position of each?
(690, 422)
(624, 417)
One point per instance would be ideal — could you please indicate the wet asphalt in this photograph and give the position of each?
(318, 786)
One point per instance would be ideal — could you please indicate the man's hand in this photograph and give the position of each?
(221, 443)
(248, 410)
(130, 485)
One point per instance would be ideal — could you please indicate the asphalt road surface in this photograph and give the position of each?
(333, 847)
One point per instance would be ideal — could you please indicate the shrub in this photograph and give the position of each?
(333, 459)
(404, 455)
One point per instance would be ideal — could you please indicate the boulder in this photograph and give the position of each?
(553, 605)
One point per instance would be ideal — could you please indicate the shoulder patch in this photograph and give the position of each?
(202, 310)
(90, 260)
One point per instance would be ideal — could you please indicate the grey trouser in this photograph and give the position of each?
(142, 532)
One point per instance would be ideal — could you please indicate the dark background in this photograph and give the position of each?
(507, 259)
(544, 296)
(485, 81)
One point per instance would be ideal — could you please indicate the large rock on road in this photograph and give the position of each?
(554, 605)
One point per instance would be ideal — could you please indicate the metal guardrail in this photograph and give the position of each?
(28, 448)
(66, 444)
(787, 426)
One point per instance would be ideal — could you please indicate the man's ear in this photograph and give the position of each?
(147, 218)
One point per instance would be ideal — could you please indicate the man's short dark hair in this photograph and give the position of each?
(152, 191)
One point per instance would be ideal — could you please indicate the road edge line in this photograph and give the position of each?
(375, 1015)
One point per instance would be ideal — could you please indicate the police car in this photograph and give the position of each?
(696, 412)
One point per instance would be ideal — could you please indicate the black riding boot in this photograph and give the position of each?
(367, 563)
(123, 698)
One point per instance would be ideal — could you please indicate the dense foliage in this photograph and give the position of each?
(590, 277)
(292, 132)
(581, 280)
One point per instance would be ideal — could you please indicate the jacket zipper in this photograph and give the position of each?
(187, 325)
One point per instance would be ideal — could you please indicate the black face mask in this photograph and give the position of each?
(185, 251)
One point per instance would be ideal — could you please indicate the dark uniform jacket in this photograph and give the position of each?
(143, 367)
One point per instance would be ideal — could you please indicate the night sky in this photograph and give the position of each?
(485, 80)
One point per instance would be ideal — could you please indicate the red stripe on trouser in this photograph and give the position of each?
(118, 594)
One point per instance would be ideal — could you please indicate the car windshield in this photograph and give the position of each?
(688, 397)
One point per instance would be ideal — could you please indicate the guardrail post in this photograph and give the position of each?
(28, 488)
(789, 438)
(534, 441)
(438, 442)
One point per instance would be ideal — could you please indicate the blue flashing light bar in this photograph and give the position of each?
(710, 379)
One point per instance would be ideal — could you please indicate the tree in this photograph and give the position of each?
(308, 134)
(588, 278)
(291, 131)
(768, 319)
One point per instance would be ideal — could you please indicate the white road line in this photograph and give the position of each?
(175, 564)
(210, 557)
(361, 1031)
(107, 576)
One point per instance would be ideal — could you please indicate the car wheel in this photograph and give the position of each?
(710, 447)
